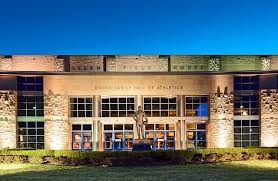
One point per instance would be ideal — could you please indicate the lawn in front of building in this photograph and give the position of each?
(237, 170)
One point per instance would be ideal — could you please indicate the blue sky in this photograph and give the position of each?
(139, 27)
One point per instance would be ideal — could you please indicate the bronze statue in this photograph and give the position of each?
(141, 121)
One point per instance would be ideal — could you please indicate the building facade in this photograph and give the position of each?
(87, 102)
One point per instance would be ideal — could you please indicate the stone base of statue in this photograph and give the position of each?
(141, 145)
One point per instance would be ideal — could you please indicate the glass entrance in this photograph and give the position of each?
(162, 136)
(82, 137)
(118, 136)
(196, 136)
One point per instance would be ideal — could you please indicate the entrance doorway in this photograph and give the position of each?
(162, 136)
(118, 136)
(196, 136)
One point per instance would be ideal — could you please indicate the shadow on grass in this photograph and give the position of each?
(221, 171)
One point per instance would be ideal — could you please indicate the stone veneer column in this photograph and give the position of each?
(56, 122)
(220, 130)
(7, 119)
(269, 118)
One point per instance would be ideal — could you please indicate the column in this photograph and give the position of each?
(185, 136)
(181, 106)
(97, 102)
(100, 134)
(220, 129)
(7, 119)
(95, 135)
(181, 114)
(56, 122)
(139, 101)
(269, 118)
(178, 135)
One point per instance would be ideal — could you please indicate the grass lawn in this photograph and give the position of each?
(238, 170)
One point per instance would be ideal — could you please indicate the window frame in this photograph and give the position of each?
(117, 112)
(76, 113)
(193, 104)
(112, 142)
(196, 132)
(165, 141)
(27, 136)
(82, 133)
(160, 112)
(242, 133)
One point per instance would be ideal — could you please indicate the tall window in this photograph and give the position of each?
(246, 111)
(162, 136)
(196, 136)
(117, 106)
(30, 109)
(31, 135)
(82, 137)
(196, 106)
(246, 133)
(30, 96)
(246, 95)
(160, 106)
(81, 107)
(118, 136)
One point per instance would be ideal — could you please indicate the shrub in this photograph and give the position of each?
(159, 157)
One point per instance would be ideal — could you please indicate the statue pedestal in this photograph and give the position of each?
(141, 145)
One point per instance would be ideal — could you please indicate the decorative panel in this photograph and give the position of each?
(59, 65)
(274, 63)
(266, 63)
(33, 63)
(189, 63)
(5, 64)
(237, 63)
(86, 63)
(137, 64)
(214, 64)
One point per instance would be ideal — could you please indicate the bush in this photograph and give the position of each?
(115, 158)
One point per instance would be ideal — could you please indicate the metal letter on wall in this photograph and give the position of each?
(137, 64)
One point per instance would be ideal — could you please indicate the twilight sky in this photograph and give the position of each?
(138, 27)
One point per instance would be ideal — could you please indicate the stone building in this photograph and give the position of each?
(87, 102)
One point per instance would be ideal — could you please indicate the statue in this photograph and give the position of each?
(141, 120)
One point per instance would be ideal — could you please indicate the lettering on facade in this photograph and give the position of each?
(189, 67)
(149, 87)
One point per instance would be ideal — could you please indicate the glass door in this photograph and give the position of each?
(196, 136)
(82, 137)
(170, 140)
(128, 140)
(150, 136)
(118, 136)
(160, 139)
(118, 141)
(108, 141)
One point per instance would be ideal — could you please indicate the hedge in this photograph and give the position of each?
(69, 157)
